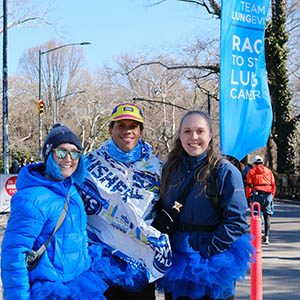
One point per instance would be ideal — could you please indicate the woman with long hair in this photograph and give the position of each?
(211, 249)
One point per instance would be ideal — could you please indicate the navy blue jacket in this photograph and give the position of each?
(198, 209)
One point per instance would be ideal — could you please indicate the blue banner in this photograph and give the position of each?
(245, 106)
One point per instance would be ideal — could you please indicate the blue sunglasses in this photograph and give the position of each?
(61, 153)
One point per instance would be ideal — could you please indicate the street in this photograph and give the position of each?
(281, 259)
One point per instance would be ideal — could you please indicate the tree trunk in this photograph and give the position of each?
(284, 126)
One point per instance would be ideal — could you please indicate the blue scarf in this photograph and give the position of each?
(125, 157)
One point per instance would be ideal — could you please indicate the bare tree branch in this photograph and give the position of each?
(26, 137)
(213, 8)
(19, 22)
(293, 28)
(206, 91)
(159, 2)
(157, 101)
(27, 12)
(214, 68)
(216, 7)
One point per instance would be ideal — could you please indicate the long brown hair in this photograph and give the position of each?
(177, 152)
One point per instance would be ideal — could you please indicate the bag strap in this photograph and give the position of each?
(181, 200)
(211, 185)
(42, 249)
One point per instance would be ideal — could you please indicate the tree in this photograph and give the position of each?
(62, 78)
(284, 124)
(23, 110)
(27, 13)
(281, 70)
(211, 6)
(89, 112)
(60, 74)
(160, 93)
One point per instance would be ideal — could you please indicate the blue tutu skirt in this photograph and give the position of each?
(117, 271)
(87, 285)
(194, 276)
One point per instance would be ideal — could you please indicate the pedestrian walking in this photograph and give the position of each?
(211, 250)
(47, 194)
(119, 193)
(261, 188)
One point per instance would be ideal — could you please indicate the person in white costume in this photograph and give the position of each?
(120, 192)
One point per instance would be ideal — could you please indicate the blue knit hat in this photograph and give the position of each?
(59, 134)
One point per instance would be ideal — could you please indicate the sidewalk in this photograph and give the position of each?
(281, 259)
(3, 221)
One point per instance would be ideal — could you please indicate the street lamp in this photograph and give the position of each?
(40, 86)
(4, 93)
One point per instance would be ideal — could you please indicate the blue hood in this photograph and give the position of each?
(32, 175)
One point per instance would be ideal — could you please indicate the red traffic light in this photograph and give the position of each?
(41, 107)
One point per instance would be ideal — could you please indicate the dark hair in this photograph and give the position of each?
(111, 124)
(177, 152)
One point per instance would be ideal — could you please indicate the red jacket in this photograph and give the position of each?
(260, 178)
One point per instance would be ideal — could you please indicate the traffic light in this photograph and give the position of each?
(41, 107)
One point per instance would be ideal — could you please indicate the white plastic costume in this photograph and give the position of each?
(119, 199)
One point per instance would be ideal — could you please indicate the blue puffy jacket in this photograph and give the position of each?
(198, 209)
(35, 210)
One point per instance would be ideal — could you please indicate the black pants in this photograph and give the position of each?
(118, 293)
(267, 219)
(168, 296)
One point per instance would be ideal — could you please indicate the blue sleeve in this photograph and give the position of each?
(233, 207)
(24, 226)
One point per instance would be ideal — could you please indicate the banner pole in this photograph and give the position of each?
(256, 267)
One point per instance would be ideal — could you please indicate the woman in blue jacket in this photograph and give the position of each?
(63, 271)
(210, 248)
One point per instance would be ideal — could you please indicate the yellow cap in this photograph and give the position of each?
(127, 111)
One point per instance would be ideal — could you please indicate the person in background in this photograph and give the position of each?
(64, 269)
(210, 247)
(23, 162)
(245, 167)
(261, 188)
(15, 168)
(31, 160)
(119, 194)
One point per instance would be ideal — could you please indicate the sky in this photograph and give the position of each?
(114, 28)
